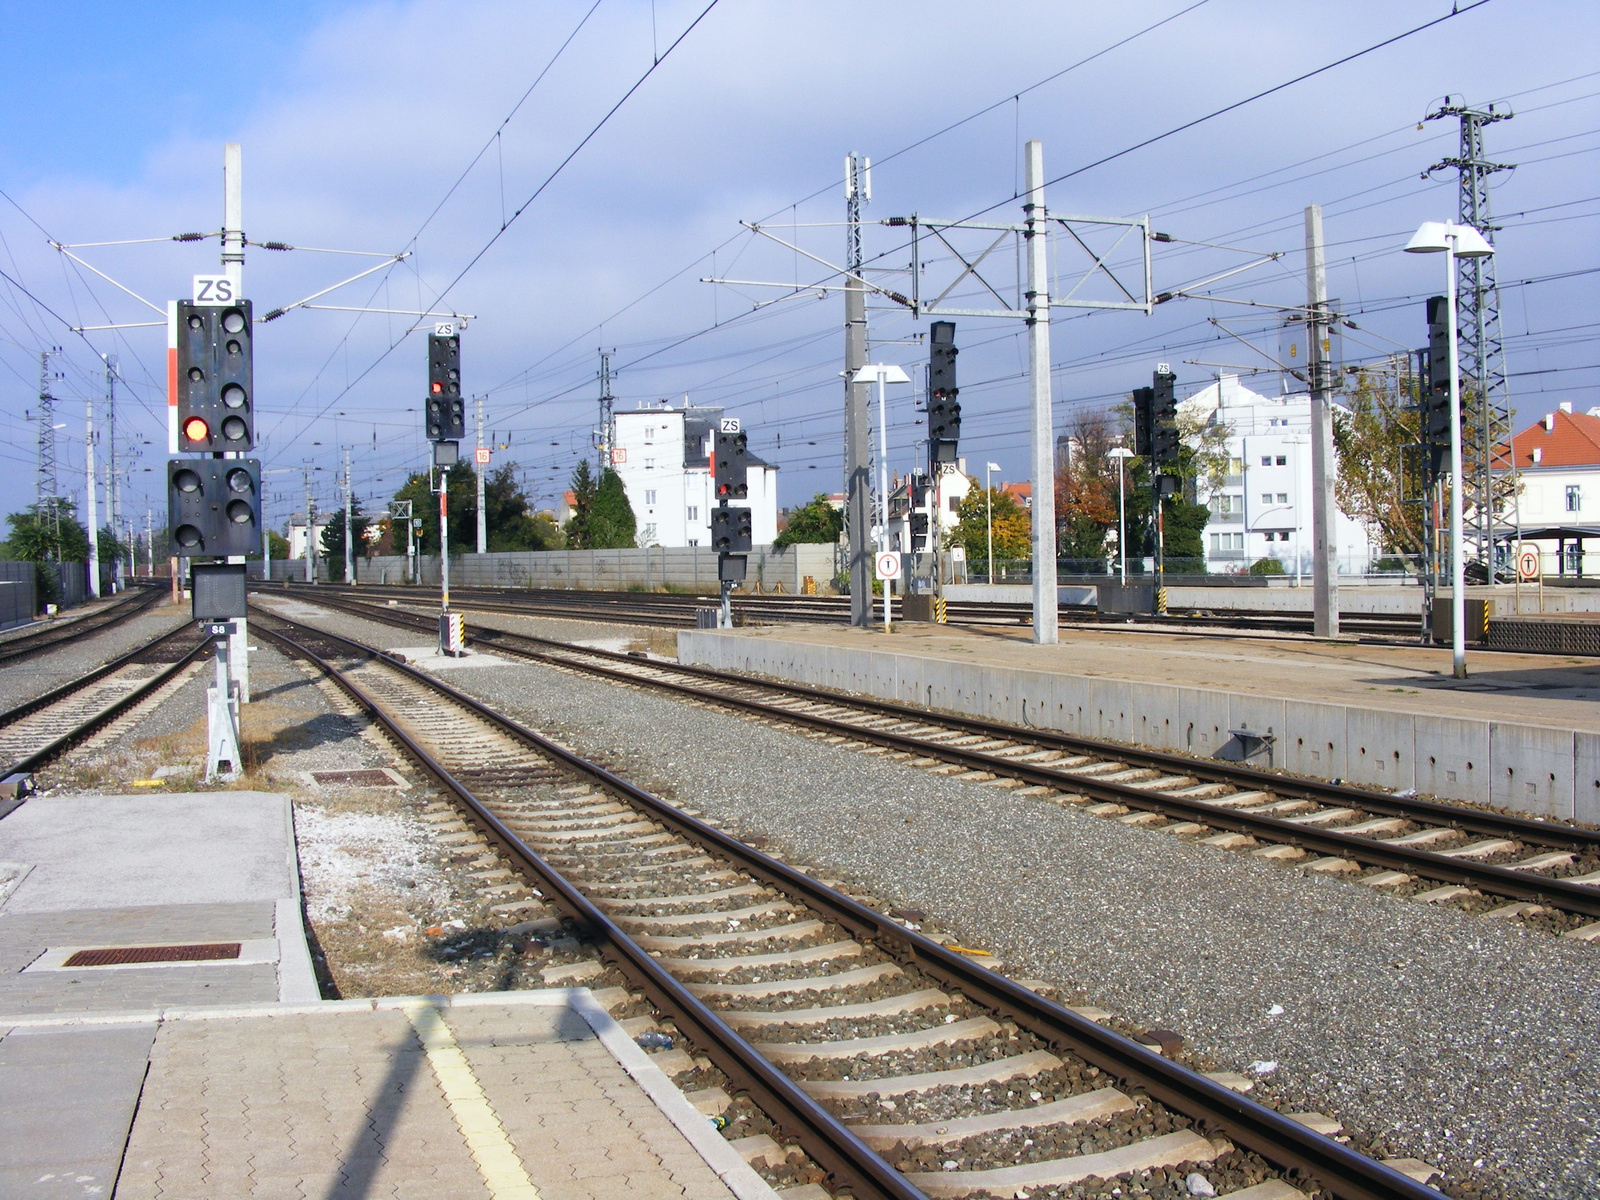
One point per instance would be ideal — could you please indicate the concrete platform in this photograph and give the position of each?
(1523, 732)
(491, 1096)
(231, 1077)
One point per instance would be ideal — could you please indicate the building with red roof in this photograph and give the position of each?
(1557, 461)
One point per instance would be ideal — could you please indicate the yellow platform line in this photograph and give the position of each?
(498, 1163)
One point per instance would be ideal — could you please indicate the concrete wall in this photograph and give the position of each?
(1534, 769)
(612, 570)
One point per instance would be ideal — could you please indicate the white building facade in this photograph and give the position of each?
(1558, 498)
(1263, 507)
(663, 456)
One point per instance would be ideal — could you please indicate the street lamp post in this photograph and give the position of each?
(1455, 241)
(988, 515)
(1120, 453)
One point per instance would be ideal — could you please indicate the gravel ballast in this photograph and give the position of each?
(1434, 1033)
(27, 678)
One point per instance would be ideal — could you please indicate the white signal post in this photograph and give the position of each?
(887, 567)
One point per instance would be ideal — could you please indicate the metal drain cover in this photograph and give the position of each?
(369, 778)
(116, 956)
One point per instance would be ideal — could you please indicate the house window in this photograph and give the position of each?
(649, 433)
(649, 496)
(1266, 460)
(1283, 497)
(1266, 497)
(1283, 460)
(694, 513)
(955, 503)
(649, 534)
(649, 464)
(694, 541)
(1574, 497)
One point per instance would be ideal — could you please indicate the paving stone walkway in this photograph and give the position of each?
(505, 1101)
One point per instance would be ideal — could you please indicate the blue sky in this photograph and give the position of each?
(356, 119)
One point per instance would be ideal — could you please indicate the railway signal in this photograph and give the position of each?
(730, 464)
(1435, 406)
(214, 378)
(446, 410)
(1143, 402)
(1163, 420)
(214, 506)
(944, 408)
(730, 529)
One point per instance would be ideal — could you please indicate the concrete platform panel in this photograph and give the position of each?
(1388, 718)
(119, 851)
(1156, 715)
(67, 1099)
(1586, 778)
(1532, 769)
(1453, 760)
(1205, 721)
(1314, 739)
(1000, 695)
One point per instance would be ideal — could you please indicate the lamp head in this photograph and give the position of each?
(1432, 237)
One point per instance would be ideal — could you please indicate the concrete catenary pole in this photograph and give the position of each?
(857, 406)
(113, 479)
(91, 514)
(349, 538)
(1324, 538)
(483, 520)
(1045, 629)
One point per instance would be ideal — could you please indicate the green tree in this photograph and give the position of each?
(278, 544)
(816, 521)
(1086, 489)
(1013, 527)
(602, 518)
(1370, 437)
(462, 498)
(39, 537)
(510, 524)
(333, 539)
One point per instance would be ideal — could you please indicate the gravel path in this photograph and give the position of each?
(1452, 1038)
(22, 681)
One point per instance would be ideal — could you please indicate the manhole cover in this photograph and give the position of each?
(370, 778)
(115, 956)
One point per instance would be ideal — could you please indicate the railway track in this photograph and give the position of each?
(899, 1066)
(33, 733)
(1501, 865)
(678, 611)
(37, 642)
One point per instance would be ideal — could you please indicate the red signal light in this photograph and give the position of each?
(196, 430)
(438, 387)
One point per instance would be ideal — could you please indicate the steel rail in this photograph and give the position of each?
(1501, 881)
(849, 1161)
(1542, 833)
(41, 640)
(676, 611)
(1286, 1143)
(83, 681)
(33, 761)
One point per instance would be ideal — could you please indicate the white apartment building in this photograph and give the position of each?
(1263, 508)
(1558, 472)
(953, 488)
(297, 534)
(663, 456)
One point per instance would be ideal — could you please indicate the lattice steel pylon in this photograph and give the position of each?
(47, 501)
(1485, 403)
